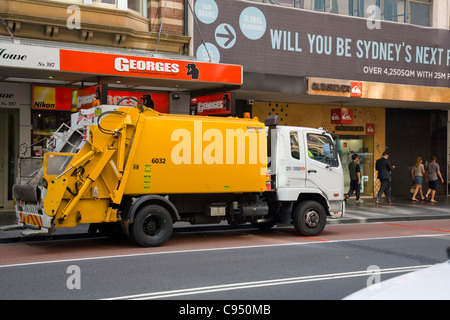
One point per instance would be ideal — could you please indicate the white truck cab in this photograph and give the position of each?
(307, 176)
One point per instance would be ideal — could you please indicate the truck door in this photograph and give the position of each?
(291, 159)
(323, 168)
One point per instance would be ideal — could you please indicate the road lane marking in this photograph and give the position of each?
(208, 249)
(261, 283)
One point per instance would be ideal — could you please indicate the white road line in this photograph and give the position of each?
(262, 283)
(210, 249)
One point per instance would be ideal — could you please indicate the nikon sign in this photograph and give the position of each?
(303, 43)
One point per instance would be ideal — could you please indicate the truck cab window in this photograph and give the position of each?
(322, 149)
(295, 150)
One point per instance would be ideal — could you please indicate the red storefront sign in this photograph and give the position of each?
(51, 98)
(342, 116)
(214, 104)
(158, 101)
(83, 98)
(370, 128)
(357, 89)
(148, 67)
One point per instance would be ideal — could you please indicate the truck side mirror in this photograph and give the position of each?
(271, 120)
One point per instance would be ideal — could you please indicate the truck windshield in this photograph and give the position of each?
(321, 148)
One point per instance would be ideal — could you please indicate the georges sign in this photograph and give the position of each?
(148, 67)
(214, 104)
(34, 57)
(124, 64)
(307, 43)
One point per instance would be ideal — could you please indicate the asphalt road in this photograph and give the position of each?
(222, 265)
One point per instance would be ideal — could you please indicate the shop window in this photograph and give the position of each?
(135, 5)
(45, 123)
(395, 10)
(420, 12)
(289, 3)
(404, 11)
(343, 7)
(363, 146)
(319, 5)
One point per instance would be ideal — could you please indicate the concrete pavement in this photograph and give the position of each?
(402, 209)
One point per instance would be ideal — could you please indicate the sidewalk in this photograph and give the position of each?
(402, 209)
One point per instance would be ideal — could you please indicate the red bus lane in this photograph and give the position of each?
(102, 248)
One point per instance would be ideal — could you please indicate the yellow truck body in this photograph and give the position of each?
(142, 171)
(154, 154)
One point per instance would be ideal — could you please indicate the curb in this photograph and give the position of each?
(384, 219)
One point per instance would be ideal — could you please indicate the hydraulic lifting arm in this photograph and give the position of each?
(105, 169)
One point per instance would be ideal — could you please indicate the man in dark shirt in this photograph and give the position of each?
(384, 168)
(355, 178)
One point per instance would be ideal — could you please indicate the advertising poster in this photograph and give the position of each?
(279, 40)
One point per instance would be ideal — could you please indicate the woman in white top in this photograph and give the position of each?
(417, 172)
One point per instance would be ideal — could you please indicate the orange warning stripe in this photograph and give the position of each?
(31, 219)
(415, 227)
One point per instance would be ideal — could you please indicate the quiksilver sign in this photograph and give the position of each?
(330, 87)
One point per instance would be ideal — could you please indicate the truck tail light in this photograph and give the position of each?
(268, 183)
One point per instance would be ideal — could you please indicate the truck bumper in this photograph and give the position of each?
(32, 215)
(337, 209)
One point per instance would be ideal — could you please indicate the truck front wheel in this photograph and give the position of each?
(152, 226)
(309, 218)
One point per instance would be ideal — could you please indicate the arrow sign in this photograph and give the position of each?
(225, 36)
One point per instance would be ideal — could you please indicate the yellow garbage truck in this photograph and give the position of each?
(143, 171)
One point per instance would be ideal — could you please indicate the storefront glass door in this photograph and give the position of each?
(9, 145)
(363, 146)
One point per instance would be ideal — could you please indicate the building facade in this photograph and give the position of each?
(374, 72)
(56, 56)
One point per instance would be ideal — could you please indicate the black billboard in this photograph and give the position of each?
(271, 39)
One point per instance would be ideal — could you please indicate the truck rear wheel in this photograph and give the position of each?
(309, 218)
(152, 226)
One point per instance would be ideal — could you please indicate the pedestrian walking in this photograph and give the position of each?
(384, 168)
(417, 172)
(355, 179)
(433, 173)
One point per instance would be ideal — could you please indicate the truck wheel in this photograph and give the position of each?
(152, 226)
(309, 218)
